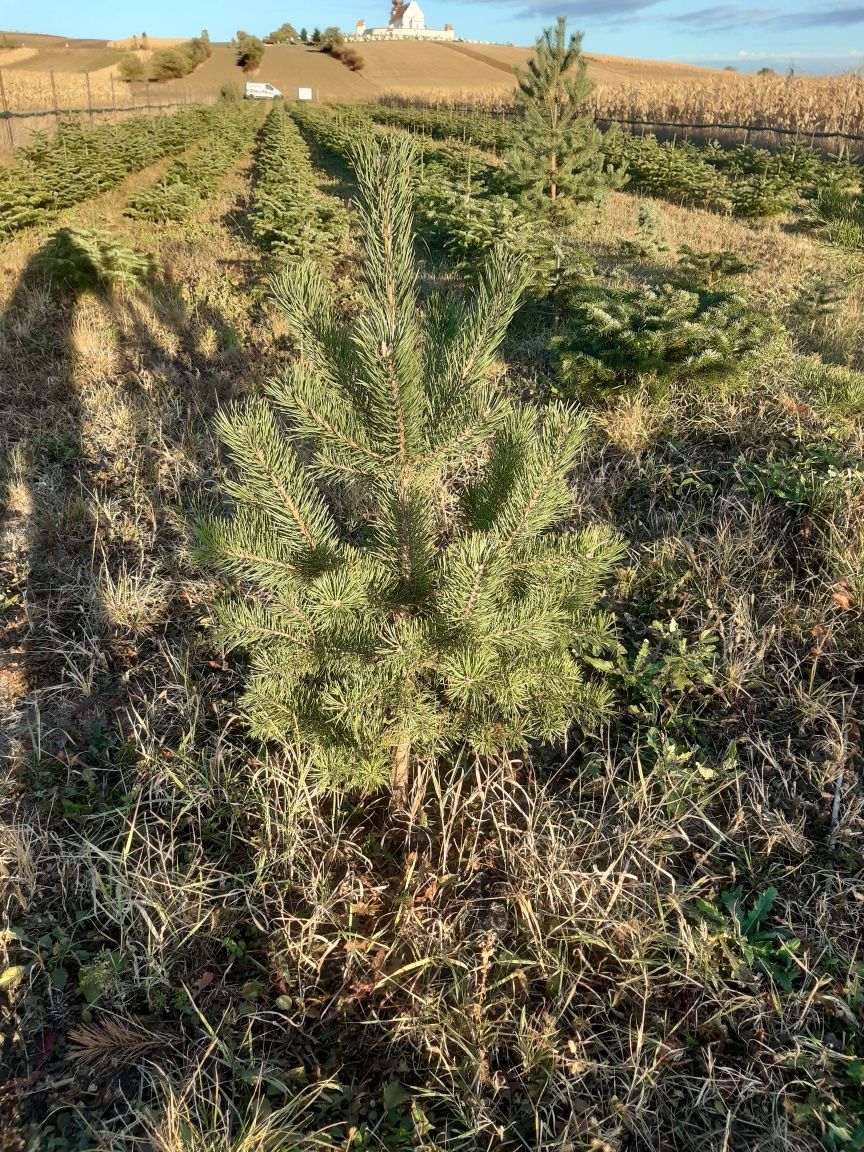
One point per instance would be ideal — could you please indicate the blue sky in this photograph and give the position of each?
(814, 35)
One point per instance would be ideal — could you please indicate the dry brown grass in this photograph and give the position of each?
(152, 43)
(16, 55)
(528, 956)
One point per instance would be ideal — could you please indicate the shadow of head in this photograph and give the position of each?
(78, 260)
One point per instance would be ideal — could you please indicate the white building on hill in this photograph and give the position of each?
(407, 22)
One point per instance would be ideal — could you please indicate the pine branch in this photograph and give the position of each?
(272, 480)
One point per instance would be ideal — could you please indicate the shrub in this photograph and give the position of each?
(250, 52)
(349, 57)
(198, 50)
(649, 240)
(230, 92)
(175, 63)
(166, 200)
(131, 69)
(378, 627)
(331, 38)
(624, 339)
(763, 196)
(169, 64)
(708, 269)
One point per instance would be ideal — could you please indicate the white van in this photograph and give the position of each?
(262, 92)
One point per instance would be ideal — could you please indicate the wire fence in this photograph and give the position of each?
(107, 100)
(767, 135)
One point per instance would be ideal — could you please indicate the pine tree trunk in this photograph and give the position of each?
(400, 777)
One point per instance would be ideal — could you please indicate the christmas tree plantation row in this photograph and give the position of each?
(745, 180)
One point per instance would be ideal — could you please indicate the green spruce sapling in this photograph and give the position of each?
(556, 160)
(398, 572)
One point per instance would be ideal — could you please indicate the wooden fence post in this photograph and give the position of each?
(54, 95)
(89, 96)
(8, 118)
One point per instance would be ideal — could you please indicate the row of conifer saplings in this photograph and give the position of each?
(198, 174)
(78, 163)
(603, 337)
(290, 216)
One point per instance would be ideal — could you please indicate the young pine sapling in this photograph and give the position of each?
(398, 574)
(557, 159)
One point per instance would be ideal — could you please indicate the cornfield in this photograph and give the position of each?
(804, 104)
(31, 91)
(797, 103)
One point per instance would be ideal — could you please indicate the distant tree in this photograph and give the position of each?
(197, 51)
(557, 154)
(145, 40)
(285, 33)
(204, 37)
(250, 51)
(730, 68)
(304, 35)
(316, 36)
(330, 38)
(766, 72)
(131, 69)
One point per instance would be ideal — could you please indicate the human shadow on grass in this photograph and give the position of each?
(69, 677)
(59, 658)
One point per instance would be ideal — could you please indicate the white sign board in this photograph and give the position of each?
(304, 93)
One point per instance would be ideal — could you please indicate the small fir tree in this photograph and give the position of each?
(304, 35)
(398, 576)
(620, 339)
(557, 158)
